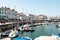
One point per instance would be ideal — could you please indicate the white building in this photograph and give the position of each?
(2, 13)
(32, 17)
(42, 17)
(24, 17)
(56, 18)
(7, 13)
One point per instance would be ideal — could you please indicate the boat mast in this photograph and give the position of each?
(22, 25)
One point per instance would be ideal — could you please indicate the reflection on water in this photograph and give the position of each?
(44, 30)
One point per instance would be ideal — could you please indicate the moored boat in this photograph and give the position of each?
(26, 28)
(22, 38)
(53, 37)
(10, 33)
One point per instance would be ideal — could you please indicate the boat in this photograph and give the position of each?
(53, 37)
(13, 34)
(22, 38)
(6, 38)
(23, 28)
(26, 28)
(6, 33)
(46, 38)
(31, 29)
(57, 26)
(17, 38)
(10, 33)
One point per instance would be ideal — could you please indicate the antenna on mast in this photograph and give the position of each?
(14, 7)
(5, 3)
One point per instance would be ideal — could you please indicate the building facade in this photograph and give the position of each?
(2, 13)
(23, 16)
(7, 13)
(56, 18)
(42, 17)
(32, 17)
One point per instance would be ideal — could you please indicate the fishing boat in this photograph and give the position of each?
(26, 28)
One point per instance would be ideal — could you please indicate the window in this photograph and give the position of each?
(0, 12)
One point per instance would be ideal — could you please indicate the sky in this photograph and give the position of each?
(36, 7)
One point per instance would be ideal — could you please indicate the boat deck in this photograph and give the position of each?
(47, 38)
(5, 39)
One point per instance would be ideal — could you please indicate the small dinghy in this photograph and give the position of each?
(22, 38)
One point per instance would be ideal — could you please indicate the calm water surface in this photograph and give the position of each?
(43, 30)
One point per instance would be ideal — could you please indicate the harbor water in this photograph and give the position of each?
(43, 30)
